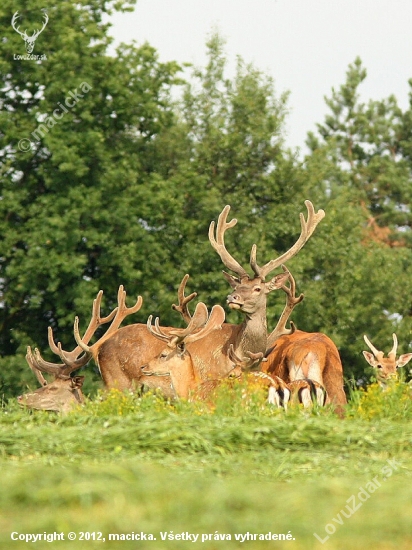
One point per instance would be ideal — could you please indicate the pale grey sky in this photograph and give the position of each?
(305, 45)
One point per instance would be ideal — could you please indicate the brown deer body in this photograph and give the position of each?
(304, 355)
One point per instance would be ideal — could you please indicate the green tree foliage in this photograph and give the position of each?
(362, 275)
(121, 189)
(70, 209)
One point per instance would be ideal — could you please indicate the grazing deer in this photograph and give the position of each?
(386, 367)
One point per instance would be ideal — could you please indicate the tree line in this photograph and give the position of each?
(122, 187)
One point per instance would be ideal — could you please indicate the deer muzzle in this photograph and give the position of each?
(234, 301)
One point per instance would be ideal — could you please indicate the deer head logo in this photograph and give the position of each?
(29, 40)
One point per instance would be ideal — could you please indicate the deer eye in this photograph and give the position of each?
(379, 366)
(257, 289)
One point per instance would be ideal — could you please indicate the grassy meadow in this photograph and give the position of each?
(123, 465)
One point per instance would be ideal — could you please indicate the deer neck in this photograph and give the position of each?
(252, 335)
(183, 381)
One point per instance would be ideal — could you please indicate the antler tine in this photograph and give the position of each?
(233, 356)
(32, 364)
(184, 300)
(198, 320)
(291, 302)
(95, 321)
(219, 243)
(376, 352)
(214, 322)
(123, 311)
(307, 228)
(243, 363)
(157, 331)
(395, 345)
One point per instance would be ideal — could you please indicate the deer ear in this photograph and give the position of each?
(370, 358)
(277, 282)
(233, 281)
(403, 359)
(77, 382)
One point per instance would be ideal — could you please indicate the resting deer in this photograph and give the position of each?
(60, 395)
(121, 352)
(176, 360)
(386, 367)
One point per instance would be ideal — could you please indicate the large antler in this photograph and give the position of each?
(291, 302)
(71, 360)
(307, 228)
(191, 333)
(218, 243)
(119, 313)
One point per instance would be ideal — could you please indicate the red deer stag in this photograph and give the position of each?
(250, 293)
(386, 367)
(65, 391)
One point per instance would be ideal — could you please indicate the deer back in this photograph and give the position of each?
(308, 355)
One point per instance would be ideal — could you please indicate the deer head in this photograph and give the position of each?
(60, 395)
(386, 367)
(175, 360)
(29, 40)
